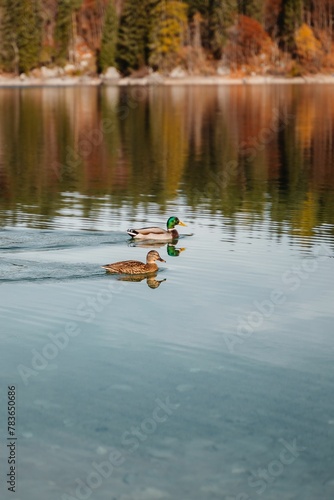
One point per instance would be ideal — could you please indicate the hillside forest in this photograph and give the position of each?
(198, 37)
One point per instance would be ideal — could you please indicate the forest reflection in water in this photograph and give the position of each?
(226, 149)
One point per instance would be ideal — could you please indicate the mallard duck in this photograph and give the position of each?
(157, 233)
(135, 266)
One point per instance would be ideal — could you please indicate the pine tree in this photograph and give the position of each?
(133, 35)
(252, 8)
(63, 28)
(109, 38)
(289, 21)
(29, 36)
(197, 6)
(21, 34)
(221, 16)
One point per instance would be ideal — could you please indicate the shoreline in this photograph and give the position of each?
(157, 80)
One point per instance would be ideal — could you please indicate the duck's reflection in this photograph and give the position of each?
(172, 249)
(151, 280)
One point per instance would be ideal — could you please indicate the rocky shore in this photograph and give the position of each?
(156, 79)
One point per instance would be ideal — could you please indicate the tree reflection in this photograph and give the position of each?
(262, 150)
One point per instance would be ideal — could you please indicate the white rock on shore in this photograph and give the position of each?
(51, 72)
(111, 74)
(178, 72)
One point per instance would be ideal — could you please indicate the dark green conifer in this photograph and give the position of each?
(221, 16)
(64, 28)
(252, 8)
(289, 21)
(21, 34)
(107, 54)
(134, 34)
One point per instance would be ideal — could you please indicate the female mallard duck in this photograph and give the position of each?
(156, 233)
(134, 266)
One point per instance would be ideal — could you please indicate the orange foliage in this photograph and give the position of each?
(247, 39)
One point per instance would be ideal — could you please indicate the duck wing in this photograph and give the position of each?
(127, 266)
(145, 231)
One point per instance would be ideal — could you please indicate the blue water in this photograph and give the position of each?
(214, 381)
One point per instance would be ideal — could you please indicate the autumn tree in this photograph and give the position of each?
(247, 39)
(107, 54)
(21, 34)
(170, 18)
(308, 47)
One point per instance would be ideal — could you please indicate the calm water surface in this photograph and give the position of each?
(212, 380)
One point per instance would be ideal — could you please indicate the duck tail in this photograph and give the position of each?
(132, 232)
(109, 268)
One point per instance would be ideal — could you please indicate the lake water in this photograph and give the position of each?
(212, 380)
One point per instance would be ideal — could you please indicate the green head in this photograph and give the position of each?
(174, 221)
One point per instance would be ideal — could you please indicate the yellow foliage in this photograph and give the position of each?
(166, 37)
(308, 46)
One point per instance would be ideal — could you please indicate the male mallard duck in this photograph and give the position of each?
(135, 266)
(156, 233)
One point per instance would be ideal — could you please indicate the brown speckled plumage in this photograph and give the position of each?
(135, 266)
